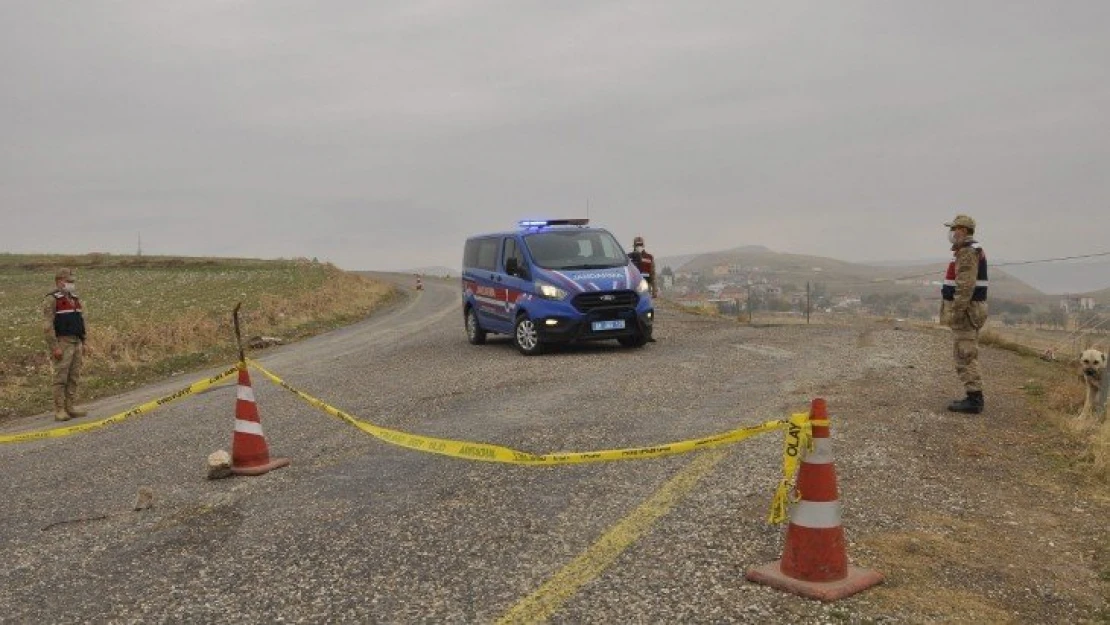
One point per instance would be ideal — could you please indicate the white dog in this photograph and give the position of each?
(1092, 366)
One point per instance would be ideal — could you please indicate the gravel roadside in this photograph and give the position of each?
(972, 519)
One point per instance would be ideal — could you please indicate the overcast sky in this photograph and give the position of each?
(379, 134)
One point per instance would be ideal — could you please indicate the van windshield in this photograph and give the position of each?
(575, 249)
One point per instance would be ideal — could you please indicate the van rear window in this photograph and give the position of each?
(481, 254)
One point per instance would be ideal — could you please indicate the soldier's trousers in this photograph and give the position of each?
(67, 371)
(966, 353)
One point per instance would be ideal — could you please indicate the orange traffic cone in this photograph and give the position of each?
(814, 561)
(249, 453)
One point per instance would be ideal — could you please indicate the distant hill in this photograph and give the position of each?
(841, 276)
(1078, 277)
(1102, 297)
(674, 262)
(1070, 277)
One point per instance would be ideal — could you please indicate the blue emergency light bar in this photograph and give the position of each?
(543, 223)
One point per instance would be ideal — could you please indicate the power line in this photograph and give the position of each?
(933, 273)
(1051, 260)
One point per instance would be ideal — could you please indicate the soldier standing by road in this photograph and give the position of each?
(64, 327)
(645, 262)
(964, 308)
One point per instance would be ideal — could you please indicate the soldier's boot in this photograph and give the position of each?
(72, 409)
(60, 413)
(972, 404)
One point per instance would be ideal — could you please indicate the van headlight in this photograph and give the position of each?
(643, 286)
(550, 291)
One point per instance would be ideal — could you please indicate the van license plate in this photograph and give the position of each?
(601, 326)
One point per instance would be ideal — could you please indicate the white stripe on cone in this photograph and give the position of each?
(816, 514)
(248, 427)
(245, 393)
(821, 454)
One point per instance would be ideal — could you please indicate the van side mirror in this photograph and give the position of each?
(514, 268)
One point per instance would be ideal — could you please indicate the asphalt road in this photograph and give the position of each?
(357, 530)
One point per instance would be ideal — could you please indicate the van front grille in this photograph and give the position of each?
(585, 302)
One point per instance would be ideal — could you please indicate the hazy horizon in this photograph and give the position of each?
(379, 135)
(1054, 277)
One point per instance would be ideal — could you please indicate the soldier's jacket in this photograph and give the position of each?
(63, 315)
(964, 294)
(645, 262)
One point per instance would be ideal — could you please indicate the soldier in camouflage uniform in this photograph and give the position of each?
(964, 309)
(64, 328)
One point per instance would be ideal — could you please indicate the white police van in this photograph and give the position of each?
(553, 281)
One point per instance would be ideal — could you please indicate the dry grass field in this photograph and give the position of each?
(1064, 393)
(150, 317)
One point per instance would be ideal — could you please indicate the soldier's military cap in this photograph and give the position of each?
(962, 221)
(63, 274)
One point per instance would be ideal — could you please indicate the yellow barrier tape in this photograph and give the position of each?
(192, 389)
(496, 453)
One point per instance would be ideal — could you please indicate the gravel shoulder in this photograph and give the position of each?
(989, 518)
(971, 519)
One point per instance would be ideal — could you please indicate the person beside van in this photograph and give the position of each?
(645, 262)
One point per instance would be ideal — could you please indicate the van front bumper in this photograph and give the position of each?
(561, 329)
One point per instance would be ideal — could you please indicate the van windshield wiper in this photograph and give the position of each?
(594, 266)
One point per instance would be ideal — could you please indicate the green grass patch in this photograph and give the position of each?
(1033, 389)
(150, 317)
(994, 339)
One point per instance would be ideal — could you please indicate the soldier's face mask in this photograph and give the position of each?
(69, 287)
(639, 249)
(953, 236)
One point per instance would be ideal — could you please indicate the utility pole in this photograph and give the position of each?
(749, 302)
(140, 250)
(807, 303)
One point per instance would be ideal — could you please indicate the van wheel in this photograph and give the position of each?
(474, 332)
(527, 336)
(637, 340)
